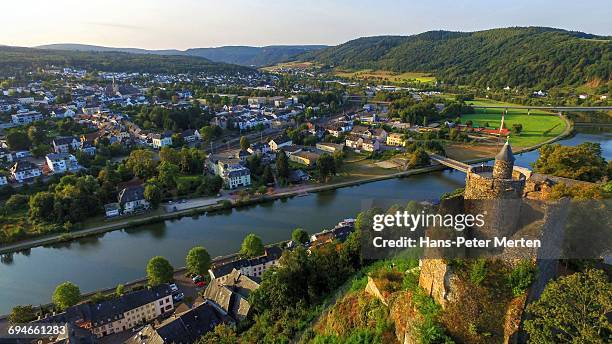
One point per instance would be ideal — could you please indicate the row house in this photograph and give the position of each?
(26, 117)
(118, 314)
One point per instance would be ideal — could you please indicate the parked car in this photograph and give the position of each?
(178, 297)
(200, 284)
(173, 288)
(197, 278)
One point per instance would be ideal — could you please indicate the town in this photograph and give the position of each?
(174, 185)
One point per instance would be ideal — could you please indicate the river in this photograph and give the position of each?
(104, 260)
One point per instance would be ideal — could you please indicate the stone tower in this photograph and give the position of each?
(500, 181)
(504, 163)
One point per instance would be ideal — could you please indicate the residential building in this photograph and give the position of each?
(280, 142)
(3, 180)
(235, 176)
(24, 171)
(27, 117)
(370, 145)
(251, 267)
(112, 209)
(186, 327)
(353, 141)
(118, 314)
(232, 294)
(305, 158)
(87, 148)
(191, 135)
(132, 199)
(62, 162)
(65, 144)
(330, 147)
(395, 139)
(63, 113)
(161, 140)
(259, 148)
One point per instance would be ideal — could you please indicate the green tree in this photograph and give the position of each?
(141, 163)
(22, 315)
(153, 194)
(419, 158)
(167, 173)
(300, 236)
(66, 295)
(120, 290)
(18, 140)
(267, 176)
(222, 334)
(252, 246)
(326, 166)
(244, 143)
(198, 261)
(159, 271)
(282, 165)
(572, 309)
(583, 162)
(42, 206)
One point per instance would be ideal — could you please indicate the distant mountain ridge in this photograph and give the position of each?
(240, 55)
(16, 59)
(519, 56)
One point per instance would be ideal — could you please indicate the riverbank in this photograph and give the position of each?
(128, 223)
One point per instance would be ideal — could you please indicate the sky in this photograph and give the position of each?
(182, 24)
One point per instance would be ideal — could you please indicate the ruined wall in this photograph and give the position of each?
(478, 186)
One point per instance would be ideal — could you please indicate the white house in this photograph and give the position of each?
(191, 135)
(65, 144)
(63, 113)
(161, 140)
(132, 199)
(23, 171)
(62, 162)
(280, 142)
(235, 175)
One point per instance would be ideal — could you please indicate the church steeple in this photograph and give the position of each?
(504, 162)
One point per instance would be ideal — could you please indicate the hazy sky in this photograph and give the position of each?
(157, 24)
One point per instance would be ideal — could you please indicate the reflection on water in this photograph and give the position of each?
(120, 256)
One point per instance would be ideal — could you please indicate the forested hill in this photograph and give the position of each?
(240, 55)
(15, 60)
(533, 56)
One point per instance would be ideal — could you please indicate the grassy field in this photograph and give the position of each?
(534, 125)
(387, 76)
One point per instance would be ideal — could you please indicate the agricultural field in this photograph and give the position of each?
(387, 76)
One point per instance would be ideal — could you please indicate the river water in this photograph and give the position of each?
(105, 260)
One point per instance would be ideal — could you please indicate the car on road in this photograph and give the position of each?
(173, 288)
(178, 297)
(200, 284)
(197, 278)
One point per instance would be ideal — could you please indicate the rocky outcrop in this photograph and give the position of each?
(437, 279)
